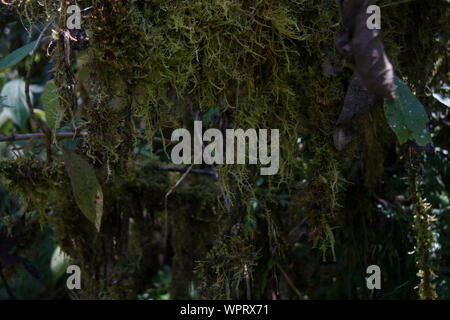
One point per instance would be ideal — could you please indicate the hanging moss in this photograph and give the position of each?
(423, 222)
(261, 63)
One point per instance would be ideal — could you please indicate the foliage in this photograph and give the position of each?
(14, 104)
(407, 117)
(17, 55)
(152, 66)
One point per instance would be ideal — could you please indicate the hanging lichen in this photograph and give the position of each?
(422, 226)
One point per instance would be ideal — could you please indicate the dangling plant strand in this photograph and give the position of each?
(422, 227)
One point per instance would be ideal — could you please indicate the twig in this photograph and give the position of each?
(166, 218)
(29, 136)
(179, 181)
(395, 3)
(42, 125)
(289, 281)
(8, 289)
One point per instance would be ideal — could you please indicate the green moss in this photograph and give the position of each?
(422, 226)
(260, 64)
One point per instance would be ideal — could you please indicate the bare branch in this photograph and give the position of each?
(40, 135)
(289, 281)
(58, 135)
(197, 171)
(166, 217)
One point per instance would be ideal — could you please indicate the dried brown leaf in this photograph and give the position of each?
(358, 103)
(371, 61)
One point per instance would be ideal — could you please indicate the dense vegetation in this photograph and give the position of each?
(85, 169)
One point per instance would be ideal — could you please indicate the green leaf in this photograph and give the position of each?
(59, 263)
(14, 103)
(17, 55)
(3, 117)
(85, 186)
(407, 116)
(4, 123)
(50, 103)
(444, 100)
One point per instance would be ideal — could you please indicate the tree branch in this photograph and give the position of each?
(58, 135)
(184, 170)
(289, 281)
(40, 135)
(42, 125)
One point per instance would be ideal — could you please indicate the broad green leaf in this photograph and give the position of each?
(39, 113)
(36, 89)
(17, 55)
(85, 186)
(407, 116)
(14, 102)
(59, 263)
(3, 122)
(3, 117)
(50, 103)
